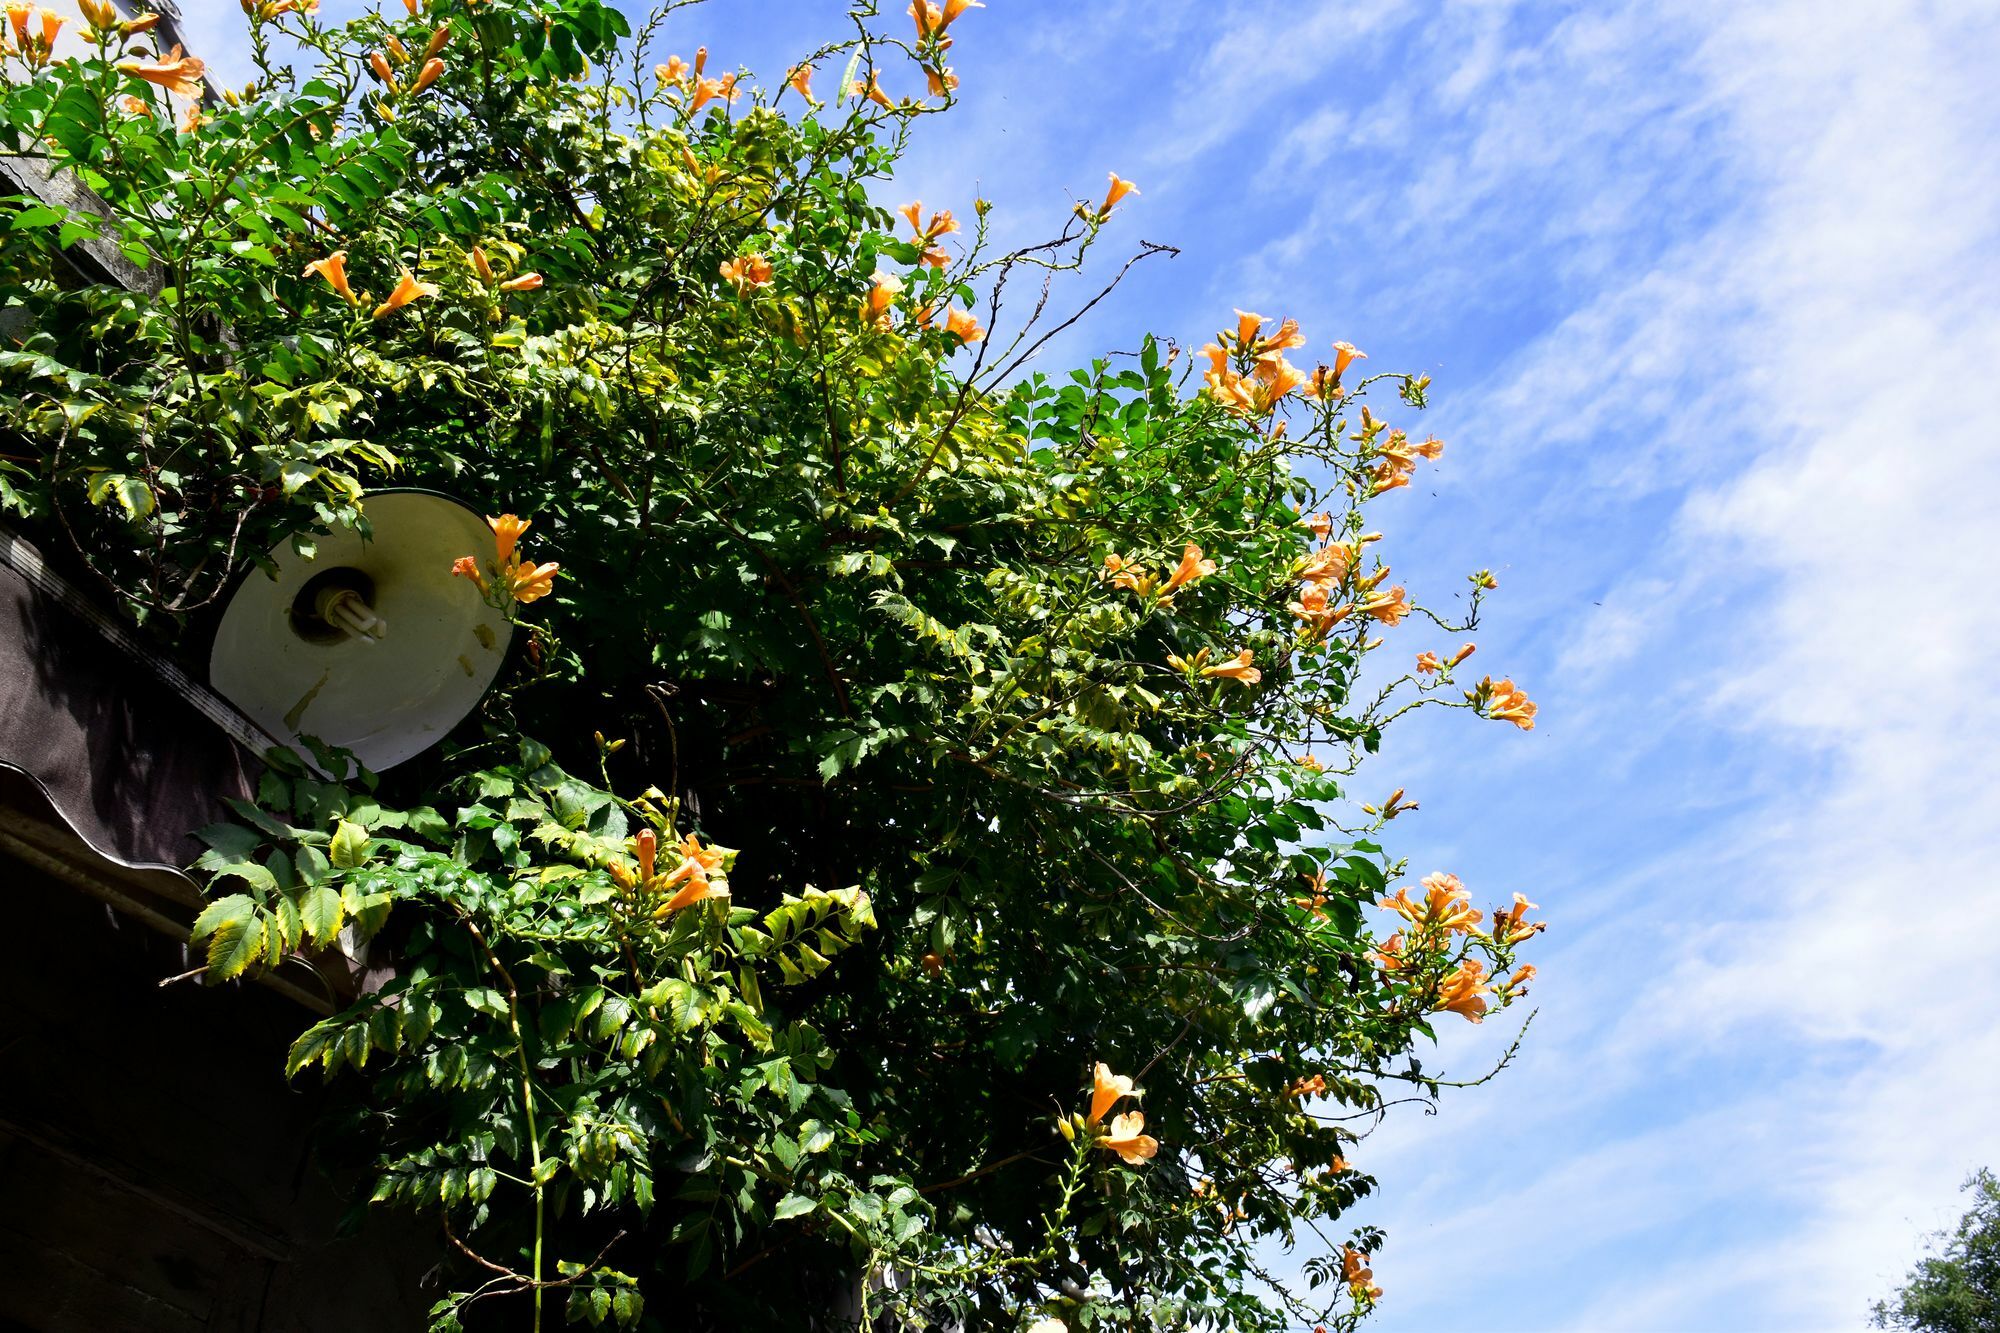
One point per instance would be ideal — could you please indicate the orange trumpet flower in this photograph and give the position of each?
(1106, 1088)
(178, 74)
(1118, 190)
(407, 290)
(1191, 567)
(1127, 1139)
(334, 269)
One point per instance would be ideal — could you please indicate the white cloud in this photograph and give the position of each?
(1762, 403)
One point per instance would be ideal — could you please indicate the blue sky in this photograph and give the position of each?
(1711, 295)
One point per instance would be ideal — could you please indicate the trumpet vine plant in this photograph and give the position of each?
(1040, 989)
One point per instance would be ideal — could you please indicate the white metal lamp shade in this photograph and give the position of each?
(375, 647)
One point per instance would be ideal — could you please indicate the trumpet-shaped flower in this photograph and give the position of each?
(467, 567)
(1324, 386)
(961, 324)
(1510, 925)
(673, 71)
(178, 74)
(747, 273)
(1427, 664)
(1330, 564)
(1354, 1271)
(1387, 477)
(1388, 955)
(530, 582)
(939, 81)
(1118, 190)
(1191, 567)
(1388, 607)
(1446, 905)
(1106, 1089)
(1237, 668)
(507, 530)
(953, 8)
(882, 293)
(799, 79)
(334, 269)
(1464, 992)
(1270, 381)
(407, 290)
(709, 90)
(1316, 611)
(1506, 703)
(942, 223)
(428, 75)
(526, 282)
(1132, 578)
(1276, 345)
(1345, 355)
(872, 90)
(1127, 1138)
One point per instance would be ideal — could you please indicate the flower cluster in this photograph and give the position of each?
(1126, 1134)
(1331, 589)
(700, 875)
(430, 65)
(514, 579)
(34, 30)
(1247, 370)
(1360, 1279)
(1503, 702)
(1133, 578)
(932, 41)
(1440, 925)
(693, 82)
(1238, 668)
(1394, 458)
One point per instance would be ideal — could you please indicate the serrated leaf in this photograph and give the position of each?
(349, 847)
(321, 911)
(235, 946)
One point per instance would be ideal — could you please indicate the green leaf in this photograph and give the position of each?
(793, 1205)
(350, 845)
(237, 942)
(322, 913)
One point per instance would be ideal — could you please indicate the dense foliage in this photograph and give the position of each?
(1029, 702)
(1957, 1288)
